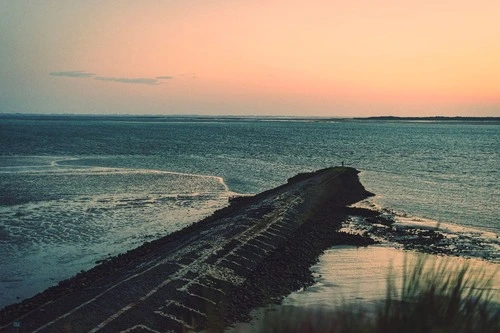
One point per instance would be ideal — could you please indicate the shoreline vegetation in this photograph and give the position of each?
(213, 273)
(433, 296)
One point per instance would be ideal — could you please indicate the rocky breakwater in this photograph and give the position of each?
(214, 272)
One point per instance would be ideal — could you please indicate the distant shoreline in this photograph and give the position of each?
(433, 118)
(230, 118)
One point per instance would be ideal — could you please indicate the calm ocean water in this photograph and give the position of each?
(74, 190)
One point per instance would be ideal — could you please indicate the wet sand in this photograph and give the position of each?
(212, 273)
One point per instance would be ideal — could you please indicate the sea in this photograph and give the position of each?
(76, 190)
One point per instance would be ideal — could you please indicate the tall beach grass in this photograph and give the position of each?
(433, 295)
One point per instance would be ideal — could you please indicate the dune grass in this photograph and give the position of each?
(433, 296)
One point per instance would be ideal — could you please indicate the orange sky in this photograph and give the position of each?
(328, 58)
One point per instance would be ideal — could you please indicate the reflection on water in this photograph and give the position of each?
(350, 275)
(346, 274)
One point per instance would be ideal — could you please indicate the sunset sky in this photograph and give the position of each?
(271, 57)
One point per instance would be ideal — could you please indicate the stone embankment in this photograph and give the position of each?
(214, 272)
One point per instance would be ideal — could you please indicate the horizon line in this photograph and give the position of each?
(298, 117)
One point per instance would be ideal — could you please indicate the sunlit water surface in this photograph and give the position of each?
(351, 276)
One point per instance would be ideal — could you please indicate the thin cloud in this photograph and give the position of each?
(147, 81)
(140, 80)
(78, 74)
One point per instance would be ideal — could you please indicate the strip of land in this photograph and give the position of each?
(210, 274)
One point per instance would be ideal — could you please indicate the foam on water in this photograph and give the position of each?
(61, 219)
(403, 219)
(467, 241)
(441, 196)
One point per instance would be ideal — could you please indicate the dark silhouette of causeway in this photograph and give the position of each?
(210, 274)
